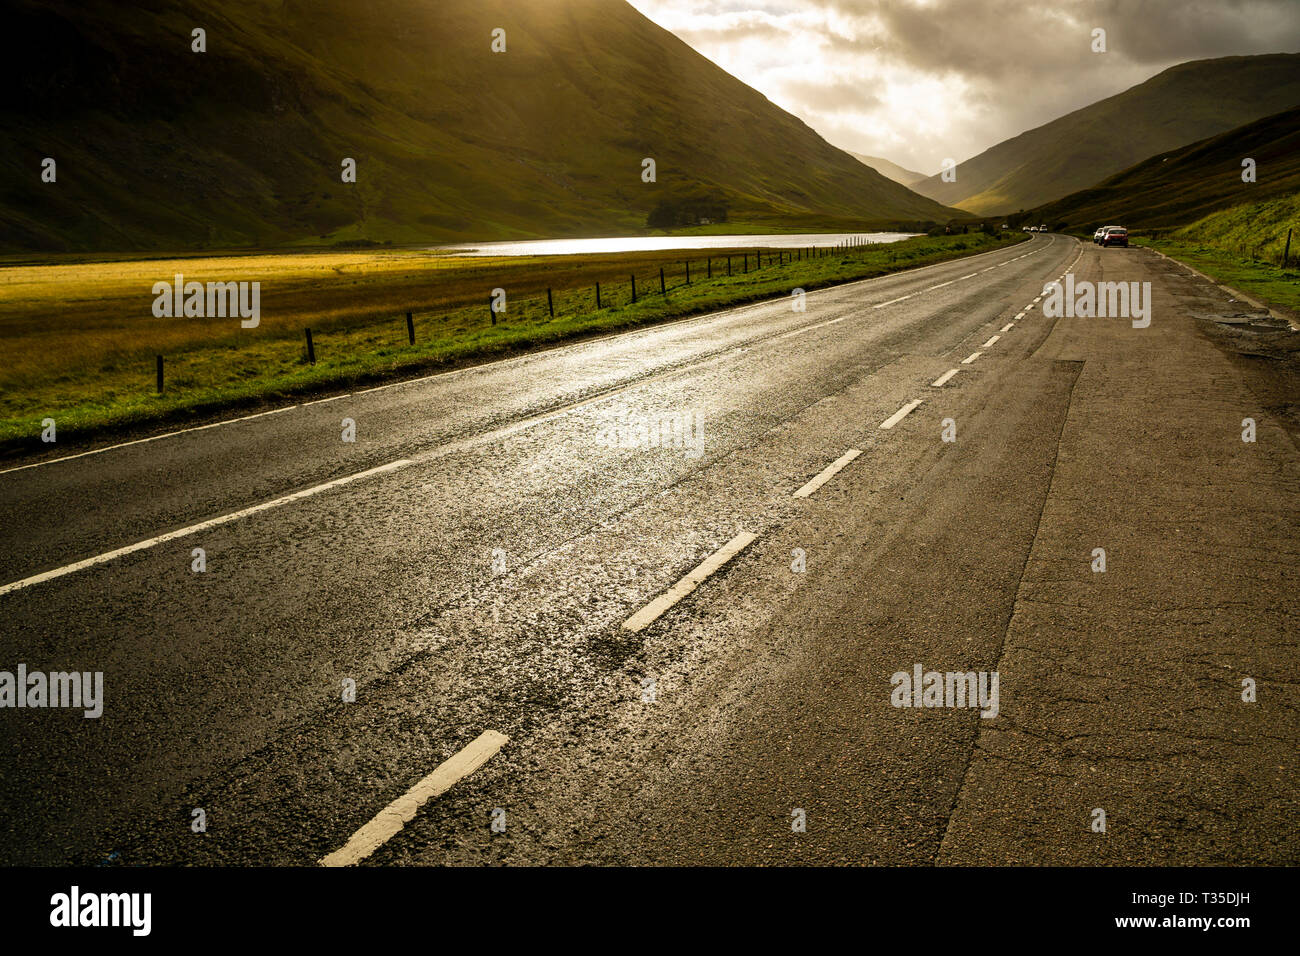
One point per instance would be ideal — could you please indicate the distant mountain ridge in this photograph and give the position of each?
(1181, 105)
(885, 167)
(159, 147)
(1183, 185)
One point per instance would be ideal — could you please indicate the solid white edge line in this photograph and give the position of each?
(827, 473)
(807, 328)
(989, 343)
(390, 820)
(942, 379)
(141, 441)
(899, 415)
(651, 612)
(322, 401)
(970, 358)
(195, 528)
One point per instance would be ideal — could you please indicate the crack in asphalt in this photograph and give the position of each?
(1076, 367)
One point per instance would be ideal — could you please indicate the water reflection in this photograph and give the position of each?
(573, 247)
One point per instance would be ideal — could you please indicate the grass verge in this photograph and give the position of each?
(82, 340)
(1265, 281)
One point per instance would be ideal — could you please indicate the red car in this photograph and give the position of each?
(1115, 236)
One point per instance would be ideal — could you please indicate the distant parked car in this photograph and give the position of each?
(1028, 228)
(1043, 228)
(1004, 225)
(1096, 236)
(1115, 236)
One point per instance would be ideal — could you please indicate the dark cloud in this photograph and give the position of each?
(977, 71)
(996, 39)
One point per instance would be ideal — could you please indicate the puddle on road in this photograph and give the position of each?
(1245, 320)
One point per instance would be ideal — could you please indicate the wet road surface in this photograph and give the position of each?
(470, 561)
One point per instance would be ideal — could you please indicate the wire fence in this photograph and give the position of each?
(501, 308)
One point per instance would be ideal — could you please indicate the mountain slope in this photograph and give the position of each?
(899, 174)
(161, 147)
(1186, 184)
(1256, 230)
(1183, 104)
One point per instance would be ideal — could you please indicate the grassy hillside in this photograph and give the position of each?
(1178, 187)
(899, 174)
(1185, 103)
(162, 148)
(1243, 247)
(1255, 230)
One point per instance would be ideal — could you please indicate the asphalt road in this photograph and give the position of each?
(469, 561)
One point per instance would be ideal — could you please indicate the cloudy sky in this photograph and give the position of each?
(918, 81)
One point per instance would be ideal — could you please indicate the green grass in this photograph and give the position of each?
(1242, 247)
(1267, 281)
(1255, 230)
(95, 372)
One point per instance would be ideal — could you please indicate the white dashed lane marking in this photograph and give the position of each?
(990, 342)
(970, 358)
(390, 820)
(939, 382)
(648, 614)
(899, 415)
(1007, 327)
(827, 473)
